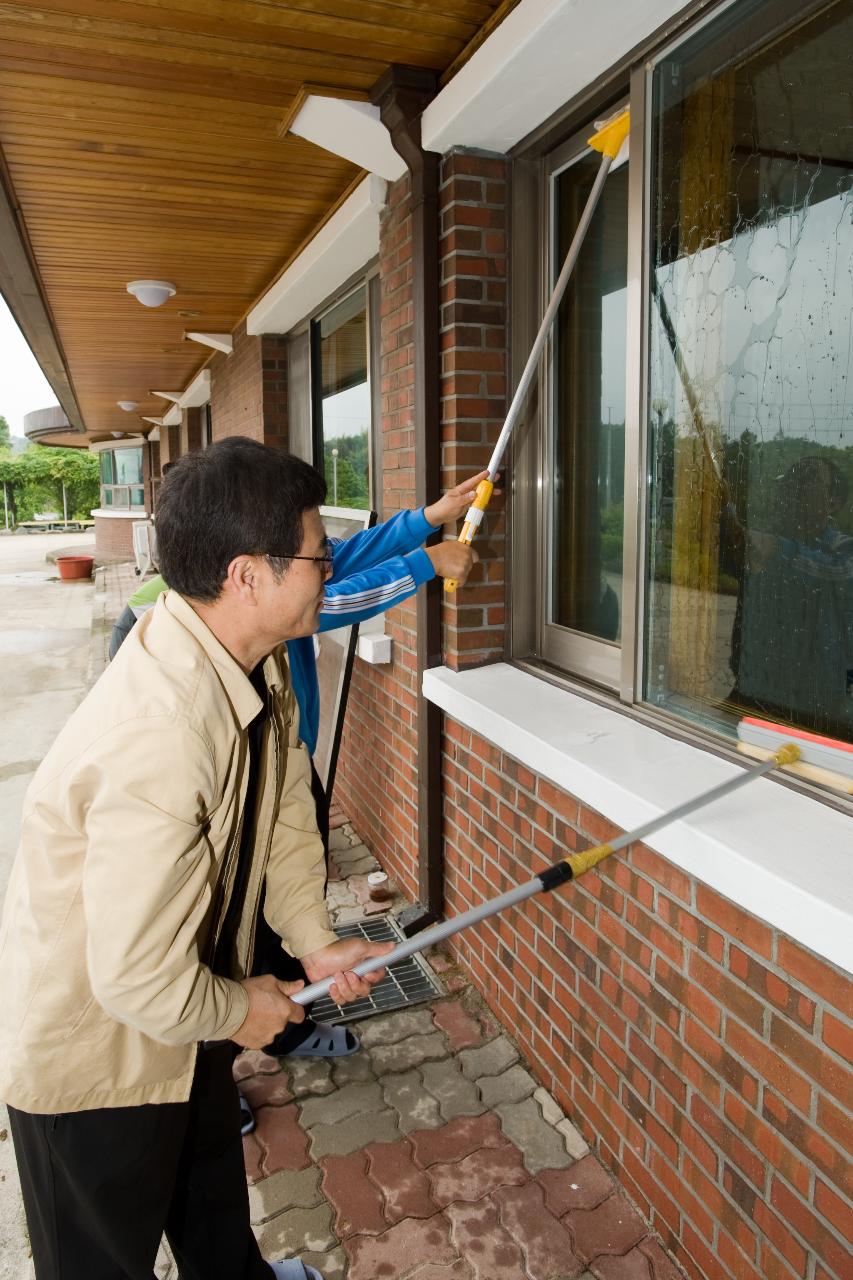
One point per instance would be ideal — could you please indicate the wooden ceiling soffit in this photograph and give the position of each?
(21, 287)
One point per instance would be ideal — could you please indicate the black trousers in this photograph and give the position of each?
(100, 1187)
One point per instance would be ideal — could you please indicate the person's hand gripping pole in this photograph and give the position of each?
(611, 141)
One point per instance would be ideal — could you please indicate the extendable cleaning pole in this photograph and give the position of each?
(552, 877)
(608, 141)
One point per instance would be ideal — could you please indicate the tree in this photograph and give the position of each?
(54, 478)
(5, 433)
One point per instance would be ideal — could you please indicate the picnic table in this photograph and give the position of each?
(56, 526)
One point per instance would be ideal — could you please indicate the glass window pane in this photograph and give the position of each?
(750, 570)
(128, 464)
(106, 497)
(137, 497)
(589, 406)
(107, 469)
(345, 401)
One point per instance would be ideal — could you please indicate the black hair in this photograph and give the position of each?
(237, 497)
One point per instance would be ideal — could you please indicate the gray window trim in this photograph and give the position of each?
(528, 297)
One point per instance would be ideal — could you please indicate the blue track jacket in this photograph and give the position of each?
(371, 572)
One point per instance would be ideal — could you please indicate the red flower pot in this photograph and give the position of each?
(74, 567)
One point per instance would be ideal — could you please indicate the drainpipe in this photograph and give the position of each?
(401, 94)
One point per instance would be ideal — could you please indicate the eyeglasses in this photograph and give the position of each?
(326, 559)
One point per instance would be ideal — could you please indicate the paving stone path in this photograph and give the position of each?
(432, 1154)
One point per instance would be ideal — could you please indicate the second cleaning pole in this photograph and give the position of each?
(609, 140)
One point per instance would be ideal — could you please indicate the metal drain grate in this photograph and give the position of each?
(409, 982)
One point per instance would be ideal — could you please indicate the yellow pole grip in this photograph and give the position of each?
(473, 519)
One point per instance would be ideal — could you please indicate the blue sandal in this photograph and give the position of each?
(327, 1041)
(247, 1119)
(293, 1269)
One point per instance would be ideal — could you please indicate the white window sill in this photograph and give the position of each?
(778, 854)
(121, 513)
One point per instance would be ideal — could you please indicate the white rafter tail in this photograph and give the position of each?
(349, 129)
(219, 341)
(198, 391)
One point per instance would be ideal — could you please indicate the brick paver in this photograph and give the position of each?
(431, 1154)
(357, 1201)
(405, 1189)
(407, 1094)
(463, 1031)
(613, 1227)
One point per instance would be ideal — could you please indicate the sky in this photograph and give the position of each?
(23, 386)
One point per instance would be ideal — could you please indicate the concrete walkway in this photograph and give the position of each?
(44, 660)
(44, 672)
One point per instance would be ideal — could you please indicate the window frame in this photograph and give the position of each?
(604, 665)
(598, 660)
(368, 281)
(630, 83)
(114, 488)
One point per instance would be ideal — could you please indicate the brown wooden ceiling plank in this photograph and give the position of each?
(155, 53)
(275, 166)
(194, 142)
(199, 144)
(89, 64)
(293, 25)
(38, 186)
(397, 24)
(473, 11)
(63, 94)
(208, 180)
(150, 77)
(319, 36)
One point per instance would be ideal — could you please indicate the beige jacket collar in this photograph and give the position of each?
(236, 683)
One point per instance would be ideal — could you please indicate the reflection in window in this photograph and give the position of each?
(750, 569)
(589, 405)
(343, 400)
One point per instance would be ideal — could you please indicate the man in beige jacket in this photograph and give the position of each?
(175, 791)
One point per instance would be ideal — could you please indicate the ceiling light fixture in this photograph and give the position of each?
(152, 293)
(129, 406)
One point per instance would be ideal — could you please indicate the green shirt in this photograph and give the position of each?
(148, 594)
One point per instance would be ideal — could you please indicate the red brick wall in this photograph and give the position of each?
(170, 445)
(236, 389)
(114, 539)
(248, 389)
(191, 430)
(376, 773)
(474, 381)
(704, 1054)
(376, 780)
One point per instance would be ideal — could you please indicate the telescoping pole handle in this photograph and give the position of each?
(608, 140)
(572, 867)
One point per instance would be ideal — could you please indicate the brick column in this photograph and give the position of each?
(248, 389)
(474, 382)
(190, 430)
(170, 445)
(377, 774)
